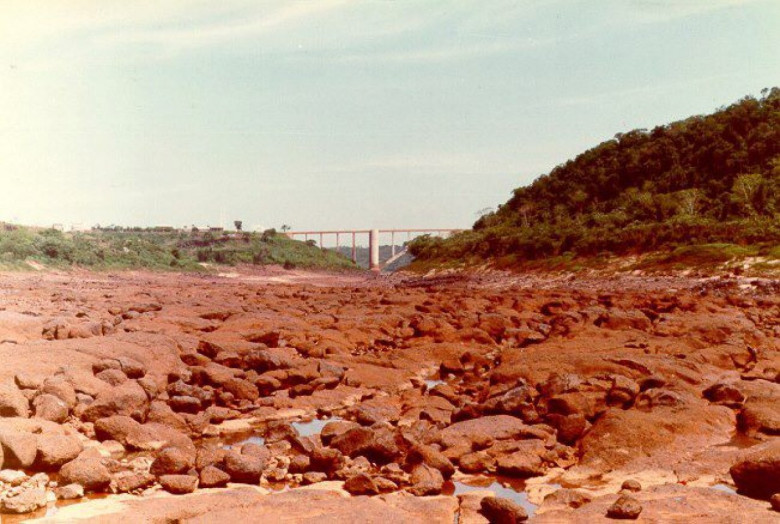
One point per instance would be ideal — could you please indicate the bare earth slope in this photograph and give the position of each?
(143, 389)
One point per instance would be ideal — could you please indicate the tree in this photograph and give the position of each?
(689, 201)
(484, 212)
(238, 224)
(285, 228)
(745, 189)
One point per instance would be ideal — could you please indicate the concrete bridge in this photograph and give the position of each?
(373, 239)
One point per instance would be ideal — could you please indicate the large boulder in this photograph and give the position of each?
(758, 474)
(501, 510)
(241, 389)
(90, 473)
(425, 480)
(60, 387)
(377, 443)
(422, 454)
(469, 434)
(625, 507)
(245, 469)
(126, 399)
(361, 484)
(170, 461)
(13, 403)
(142, 437)
(212, 477)
(131, 481)
(56, 450)
(19, 449)
(49, 407)
(179, 484)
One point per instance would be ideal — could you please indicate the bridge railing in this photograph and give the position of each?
(373, 239)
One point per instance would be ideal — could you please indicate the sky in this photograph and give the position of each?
(343, 114)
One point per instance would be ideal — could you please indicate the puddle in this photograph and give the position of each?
(312, 427)
(724, 488)
(240, 441)
(304, 429)
(512, 489)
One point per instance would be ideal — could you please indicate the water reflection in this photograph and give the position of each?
(312, 427)
(509, 488)
(432, 383)
(724, 488)
(237, 442)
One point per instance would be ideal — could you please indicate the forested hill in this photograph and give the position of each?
(713, 178)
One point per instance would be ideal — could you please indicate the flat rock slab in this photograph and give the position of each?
(252, 505)
(671, 503)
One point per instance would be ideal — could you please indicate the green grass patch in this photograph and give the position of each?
(160, 251)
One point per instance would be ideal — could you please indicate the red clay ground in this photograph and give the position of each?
(139, 385)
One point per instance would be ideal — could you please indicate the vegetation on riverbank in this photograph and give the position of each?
(170, 250)
(704, 181)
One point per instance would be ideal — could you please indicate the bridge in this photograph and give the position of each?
(373, 240)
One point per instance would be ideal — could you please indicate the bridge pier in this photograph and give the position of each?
(373, 248)
(373, 240)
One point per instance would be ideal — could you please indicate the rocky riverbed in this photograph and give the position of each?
(283, 396)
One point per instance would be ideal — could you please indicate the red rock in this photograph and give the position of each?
(19, 449)
(625, 507)
(49, 407)
(361, 484)
(179, 484)
(87, 472)
(12, 402)
(130, 481)
(126, 399)
(499, 510)
(171, 461)
(758, 474)
(425, 480)
(56, 450)
(211, 477)
(245, 469)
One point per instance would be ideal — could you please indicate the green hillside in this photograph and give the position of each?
(138, 248)
(704, 180)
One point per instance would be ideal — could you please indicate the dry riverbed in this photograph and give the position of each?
(273, 395)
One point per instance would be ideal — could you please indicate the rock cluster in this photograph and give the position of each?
(527, 382)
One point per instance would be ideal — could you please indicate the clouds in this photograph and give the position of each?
(653, 11)
(302, 110)
(339, 30)
(246, 23)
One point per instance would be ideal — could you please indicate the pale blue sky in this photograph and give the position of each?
(339, 114)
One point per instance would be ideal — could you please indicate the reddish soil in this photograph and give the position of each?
(142, 383)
